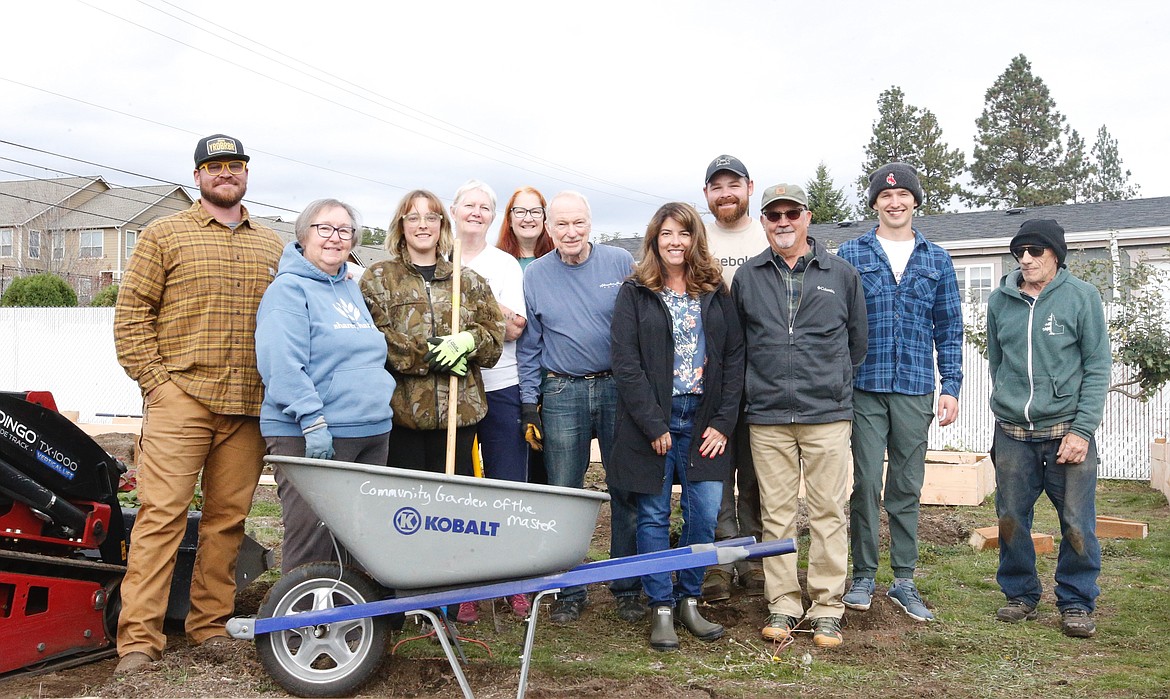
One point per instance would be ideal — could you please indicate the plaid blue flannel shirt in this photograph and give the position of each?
(910, 320)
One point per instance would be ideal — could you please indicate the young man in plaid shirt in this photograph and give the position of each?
(914, 310)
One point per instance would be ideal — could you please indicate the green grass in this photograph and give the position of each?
(967, 653)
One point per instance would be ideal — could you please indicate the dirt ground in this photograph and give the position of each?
(187, 671)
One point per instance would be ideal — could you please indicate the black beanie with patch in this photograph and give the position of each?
(894, 176)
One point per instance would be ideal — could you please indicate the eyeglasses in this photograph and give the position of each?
(791, 214)
(326, 231)
(413, 219)
(215, 167)
(521, 213)
(1033, 250)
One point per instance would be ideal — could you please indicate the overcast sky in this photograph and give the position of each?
(625, 101)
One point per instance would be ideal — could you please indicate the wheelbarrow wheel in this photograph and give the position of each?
(331, 659)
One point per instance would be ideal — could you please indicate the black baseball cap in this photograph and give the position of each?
(219, 146)
(726, 162)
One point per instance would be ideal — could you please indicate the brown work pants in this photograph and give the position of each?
(182, 440)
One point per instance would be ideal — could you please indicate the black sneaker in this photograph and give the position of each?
(566, 611)
(631, 609)
(1016, 610)
(1076, 623)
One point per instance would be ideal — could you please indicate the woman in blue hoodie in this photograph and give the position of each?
(327, 391)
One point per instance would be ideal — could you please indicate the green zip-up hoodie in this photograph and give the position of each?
(1050, 359)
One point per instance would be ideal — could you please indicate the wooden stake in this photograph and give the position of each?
(453, 390)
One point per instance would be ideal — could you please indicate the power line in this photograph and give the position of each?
(386, 101)
(369, 115)
(115, 169)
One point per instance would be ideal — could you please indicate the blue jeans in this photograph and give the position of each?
(1024, 470)
(700, 508)
(501, 438)
(574, 411)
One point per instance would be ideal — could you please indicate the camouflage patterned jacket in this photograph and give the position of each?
(408, 310)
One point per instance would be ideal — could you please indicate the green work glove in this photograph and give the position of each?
(447, 350)
(460, 368)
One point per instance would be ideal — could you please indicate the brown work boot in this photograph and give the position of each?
(752, 581)
(716, 585)
(134, 661)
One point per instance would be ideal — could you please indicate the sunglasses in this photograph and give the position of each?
(1033, 250)
(791, 214)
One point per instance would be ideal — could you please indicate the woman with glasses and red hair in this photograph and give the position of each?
(524, 235)
(524, 230)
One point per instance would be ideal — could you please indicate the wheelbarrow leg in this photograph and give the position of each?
(440, 627)
(529, 641)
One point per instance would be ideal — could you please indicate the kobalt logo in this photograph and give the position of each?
(407, 520)
(455, 525)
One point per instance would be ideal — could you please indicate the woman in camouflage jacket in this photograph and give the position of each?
(409, 297)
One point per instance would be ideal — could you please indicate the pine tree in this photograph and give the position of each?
(1017, 148)
(1077, 173)
(892, 141)
(938, 167)
(1110, 182)
(909, 134)
(826, 202)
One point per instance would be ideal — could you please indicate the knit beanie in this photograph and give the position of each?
(1045, 232)
(894, 176)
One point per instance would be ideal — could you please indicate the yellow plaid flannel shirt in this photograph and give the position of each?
(186, 308)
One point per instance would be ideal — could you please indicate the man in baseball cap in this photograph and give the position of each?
(733, 238)
(804, 321)
(184, 330)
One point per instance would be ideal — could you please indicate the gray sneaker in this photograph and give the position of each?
(860, 595)
(906, 596)
(1016, 610)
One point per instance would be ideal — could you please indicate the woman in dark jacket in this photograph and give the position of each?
(678, 364)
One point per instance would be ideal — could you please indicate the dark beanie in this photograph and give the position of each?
(1042, 231)
(894, 176)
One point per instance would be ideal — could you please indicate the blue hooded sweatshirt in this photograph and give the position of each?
(319, 353)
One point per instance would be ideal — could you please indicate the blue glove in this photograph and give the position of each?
(318, 441)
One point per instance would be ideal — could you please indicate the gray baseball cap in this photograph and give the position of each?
(784, 192)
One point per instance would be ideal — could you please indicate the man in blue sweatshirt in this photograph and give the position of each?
(1048, 349)
(564, 358)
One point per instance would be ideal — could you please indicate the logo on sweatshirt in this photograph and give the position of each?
(1051, 326)
(348, 310)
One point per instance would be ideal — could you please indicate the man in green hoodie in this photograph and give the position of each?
(1048, 348)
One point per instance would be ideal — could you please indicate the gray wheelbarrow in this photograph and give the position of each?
(428, 541)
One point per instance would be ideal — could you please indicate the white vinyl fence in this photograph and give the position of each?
(70, 351)
(1123, 441)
